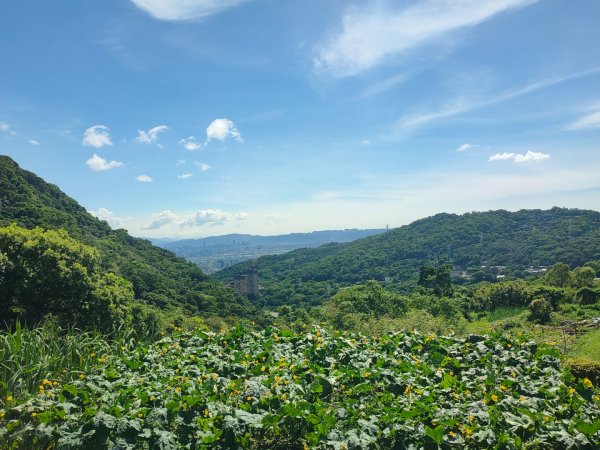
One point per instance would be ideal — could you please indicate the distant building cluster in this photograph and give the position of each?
(247, 283)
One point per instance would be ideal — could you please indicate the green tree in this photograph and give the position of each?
(436, 279)
(370, 299)
(583, 277)
(558, 275)
(48, 272)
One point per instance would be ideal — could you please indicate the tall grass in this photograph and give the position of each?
(49, 351)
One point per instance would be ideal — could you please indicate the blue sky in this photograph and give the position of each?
(204, 117)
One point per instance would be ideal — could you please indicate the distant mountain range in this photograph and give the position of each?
(218, 252)
(513, 240)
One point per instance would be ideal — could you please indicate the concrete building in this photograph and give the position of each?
(247, 283)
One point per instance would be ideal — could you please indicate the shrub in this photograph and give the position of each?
(540, 310)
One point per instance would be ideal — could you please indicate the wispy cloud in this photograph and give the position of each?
(144, 179)
(96, 136)
(99, 164)
(382, 86)
(151, 136)
(530, 156)
(221, 129)
(372, 35)
(33, 142)
(461, 105)
(160, 220)
(4, 126)
(190, 143)
(587, 122)
(185, 176)
(175, 10)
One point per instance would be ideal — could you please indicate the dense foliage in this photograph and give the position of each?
(315, 389)
(48, 272)
(158, 277)
(515, 240)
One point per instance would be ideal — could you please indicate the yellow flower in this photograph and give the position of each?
(206, 412)
(249, 398)
(9, 398)
(547, 418)
(467, 432)
(81, 376)
(152, 398)
(522, 398)
(407, 390)
(452, 434)
(263, 368)
(33, 414)
(214, 376)
(140, 415)
(503, 388)
(283, 396)
(494, 398)
(587, 383)
(571, 390)
(1, 415)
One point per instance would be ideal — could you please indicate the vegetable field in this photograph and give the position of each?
(318, 389)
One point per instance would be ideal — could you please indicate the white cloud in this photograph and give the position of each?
(144, 179)
(150, 137)
(202, 166)
(96, 136)
(4, 126)
(214, 217)
(466, 147)
(501, 156)
(371, 36)
(185, 176)
(366, 142)
(190, 143)
(180, 162)
(33, 142)
(587, 122)
(220, 129)
(530, 156)
(160, 220)
(185, 9)
(97, 163)
(108, 216)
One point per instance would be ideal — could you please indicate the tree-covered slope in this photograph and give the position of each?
(158, 276)
(495, 238)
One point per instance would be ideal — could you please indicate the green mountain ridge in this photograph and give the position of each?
(517, 240)
(158, 276)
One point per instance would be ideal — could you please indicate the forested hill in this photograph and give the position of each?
(158, 276)
(495, 238)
